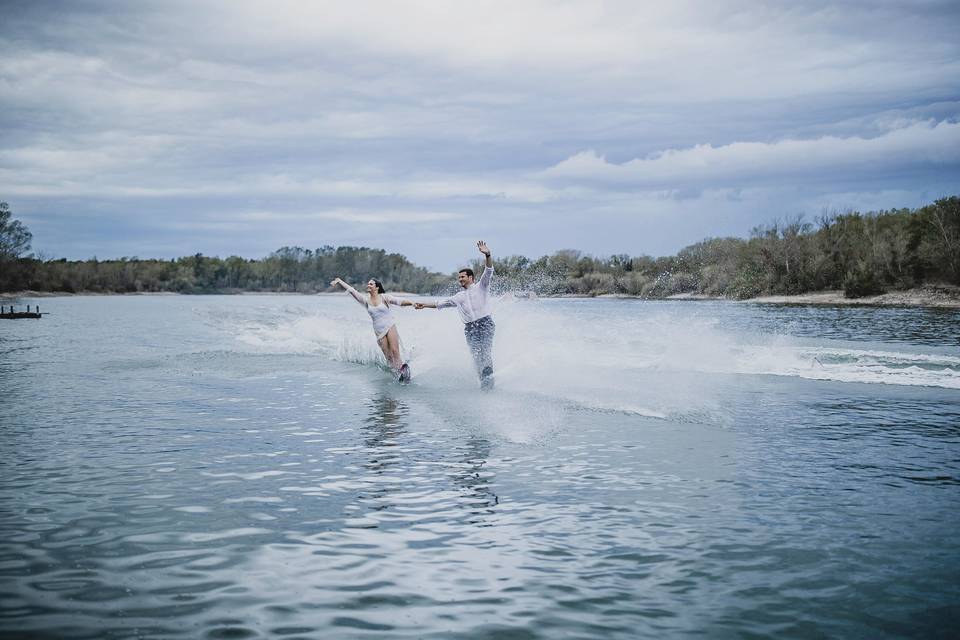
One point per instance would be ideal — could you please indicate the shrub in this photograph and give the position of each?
(861, 281)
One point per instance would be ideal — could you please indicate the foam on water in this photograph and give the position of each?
(857, 365)
(635, 358)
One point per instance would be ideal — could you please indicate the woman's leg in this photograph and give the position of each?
(390, 345)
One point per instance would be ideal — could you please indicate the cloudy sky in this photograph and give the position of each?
(163, 129)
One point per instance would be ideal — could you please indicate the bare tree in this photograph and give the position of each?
(944, 218)
(14, 236)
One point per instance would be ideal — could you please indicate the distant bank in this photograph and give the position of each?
(939, 296)
(944, 296)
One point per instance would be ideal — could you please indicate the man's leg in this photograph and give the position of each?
(479, 336)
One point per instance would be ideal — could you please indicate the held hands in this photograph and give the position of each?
(483, 248)
(419, 305)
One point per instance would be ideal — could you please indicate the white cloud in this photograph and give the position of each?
(696, 51)
(747, 163)
(371, 113)
(382, 216)
(85, 183)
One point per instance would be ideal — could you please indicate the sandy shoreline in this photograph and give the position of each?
(909, 298)
(939, 296)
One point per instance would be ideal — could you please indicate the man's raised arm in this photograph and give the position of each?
(484, 281)
(485, 250)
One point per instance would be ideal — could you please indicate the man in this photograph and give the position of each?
(473, 304)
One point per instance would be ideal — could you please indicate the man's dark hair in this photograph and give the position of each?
(467, 271)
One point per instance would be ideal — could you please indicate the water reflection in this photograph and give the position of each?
(383, 430)
(475, 482)
(396, 464)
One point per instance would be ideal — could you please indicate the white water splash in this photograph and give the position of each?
(633, 357)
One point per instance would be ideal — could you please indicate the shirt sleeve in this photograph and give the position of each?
(485, 278)
(443, 303)
(356, 296)
(394, 301)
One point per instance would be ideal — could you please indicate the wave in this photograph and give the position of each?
(859, 365)
(635, 358)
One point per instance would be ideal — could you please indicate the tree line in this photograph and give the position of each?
(860, 253)
(289, 269)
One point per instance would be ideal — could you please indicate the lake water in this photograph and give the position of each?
(233, 467)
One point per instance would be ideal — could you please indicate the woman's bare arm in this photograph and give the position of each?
(398, 302)
(353, 292)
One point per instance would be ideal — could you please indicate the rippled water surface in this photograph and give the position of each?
(232, 467)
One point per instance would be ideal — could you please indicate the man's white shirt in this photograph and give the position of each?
(473, 302)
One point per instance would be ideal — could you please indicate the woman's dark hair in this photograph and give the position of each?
(379, 284)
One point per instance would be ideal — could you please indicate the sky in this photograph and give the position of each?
(163, 129)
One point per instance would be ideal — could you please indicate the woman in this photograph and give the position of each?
(384, 324)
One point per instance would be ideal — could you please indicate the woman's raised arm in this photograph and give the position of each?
(353, 292)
